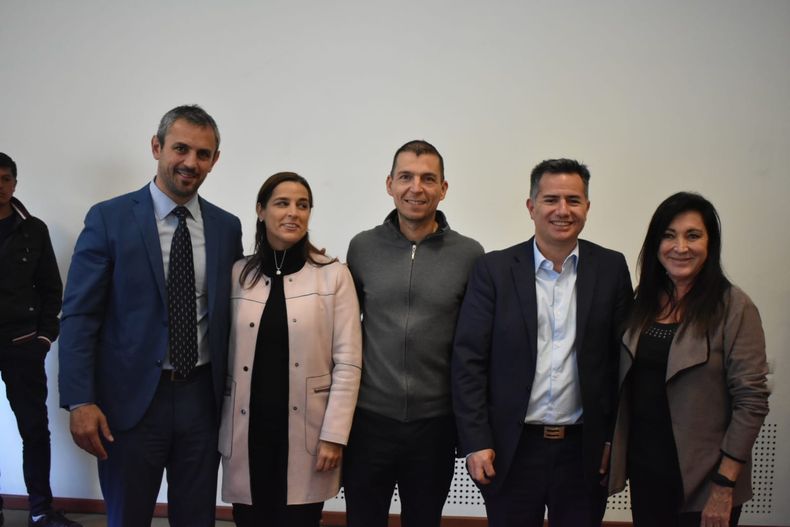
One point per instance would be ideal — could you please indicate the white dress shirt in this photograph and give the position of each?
(166, 223)
(555, 398)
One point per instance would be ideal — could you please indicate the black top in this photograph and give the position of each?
(30, 286)
(269, 387)
(6, 226)
(651, 442)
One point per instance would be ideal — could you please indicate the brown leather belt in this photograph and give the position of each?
(554, 432)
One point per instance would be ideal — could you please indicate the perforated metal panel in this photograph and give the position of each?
(763, 457)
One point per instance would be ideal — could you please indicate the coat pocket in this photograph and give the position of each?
(228, 414)
(316, 398)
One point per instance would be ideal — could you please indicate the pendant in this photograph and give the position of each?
(279, 272)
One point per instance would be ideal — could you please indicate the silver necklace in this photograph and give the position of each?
(280, 266)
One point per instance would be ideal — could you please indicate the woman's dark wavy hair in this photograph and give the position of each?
(702, 306)
(254, 265)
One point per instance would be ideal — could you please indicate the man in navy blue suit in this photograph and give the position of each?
(144, 332)
(535, 362)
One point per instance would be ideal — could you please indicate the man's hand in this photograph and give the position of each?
(480, 465)
(86, 421)
(329, 456)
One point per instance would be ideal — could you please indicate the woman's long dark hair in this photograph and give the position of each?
(701, 307)
(254, 265)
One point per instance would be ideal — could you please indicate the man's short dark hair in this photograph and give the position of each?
(7, 162)
(418, 147)
(193, 114)
(558, 166)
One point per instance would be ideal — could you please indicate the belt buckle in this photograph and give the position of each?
(553, 432)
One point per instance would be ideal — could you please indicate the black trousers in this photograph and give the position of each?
(419, 456)
(307, 515)
(546, 474)
(179, 433)
(25, 379)
(656, 499)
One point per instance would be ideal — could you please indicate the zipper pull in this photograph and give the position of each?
(413, 250)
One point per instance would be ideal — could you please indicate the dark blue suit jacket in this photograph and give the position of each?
(495, 351)
(114, 333)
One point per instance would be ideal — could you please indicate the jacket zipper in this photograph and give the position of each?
(406, 335)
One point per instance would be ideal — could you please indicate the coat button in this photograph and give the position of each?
(24, 258)
(290, 279)
(252, 324)
(293, 320)
(296, 364)
(31, 309)
(295, 408)
(243, 411)
(266, 282)
(246, 368)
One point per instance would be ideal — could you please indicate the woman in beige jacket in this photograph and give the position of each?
(693, 378)
(294, 368)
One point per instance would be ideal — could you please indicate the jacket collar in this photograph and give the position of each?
(688, 349)
(19, 209)
(391, 221)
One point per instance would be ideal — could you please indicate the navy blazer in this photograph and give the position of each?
(495, 351)
(114, 326)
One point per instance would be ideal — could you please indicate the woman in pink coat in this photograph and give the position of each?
(294, 367)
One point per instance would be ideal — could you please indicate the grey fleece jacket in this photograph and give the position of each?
(410, 294)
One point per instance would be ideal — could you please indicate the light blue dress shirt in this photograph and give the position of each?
(166, 223)
(555, 398)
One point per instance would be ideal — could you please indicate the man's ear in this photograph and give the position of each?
(156, 148)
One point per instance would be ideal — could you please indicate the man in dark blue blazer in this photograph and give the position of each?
(535, 362)
(144, 380)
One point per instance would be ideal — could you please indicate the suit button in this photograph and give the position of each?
(295, 408)
(252, 324)
(290, 279)
(24, 258)
(296, 364)
(246, 368)
(31, 308)
(243, 411)
(293, 320)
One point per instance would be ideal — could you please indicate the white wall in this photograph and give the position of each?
(655, 97)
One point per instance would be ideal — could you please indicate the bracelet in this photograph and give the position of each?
(722, 481)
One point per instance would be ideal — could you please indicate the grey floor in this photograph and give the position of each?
(19, 519)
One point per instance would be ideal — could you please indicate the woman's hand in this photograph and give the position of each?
(329, 456)
(718, 507)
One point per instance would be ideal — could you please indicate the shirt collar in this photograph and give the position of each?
(542, 261)
(163, 205)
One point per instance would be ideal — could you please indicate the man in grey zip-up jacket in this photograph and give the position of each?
(411, 274)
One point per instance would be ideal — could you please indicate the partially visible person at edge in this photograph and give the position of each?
(410, 274)
(294, 367)
(30, 291)
(693, 377)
